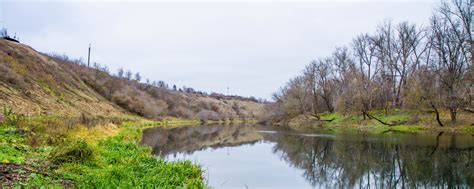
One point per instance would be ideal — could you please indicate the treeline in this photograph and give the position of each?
(400, 65)
(156, 99)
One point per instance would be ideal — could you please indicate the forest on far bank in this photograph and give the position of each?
(398, 66)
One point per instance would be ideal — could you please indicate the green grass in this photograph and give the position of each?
(171, 121)
(90, 158)
(12, 145)
(22, 158)
(120, 162)
(335, 117)
(469, 129)
(395, 116)
(407, 121)
(408, 128)
(226, 122)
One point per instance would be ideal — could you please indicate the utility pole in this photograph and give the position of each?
(89, 56)
(228, 91)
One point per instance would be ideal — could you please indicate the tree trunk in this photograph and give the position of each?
(453, 113)
(453, 105)
(327, 100)
(315, 99)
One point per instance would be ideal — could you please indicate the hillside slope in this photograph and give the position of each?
(35, 83)
(32, 84)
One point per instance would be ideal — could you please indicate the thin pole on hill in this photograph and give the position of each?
(89, 56)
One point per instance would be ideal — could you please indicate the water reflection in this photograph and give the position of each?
(193, 138)
(386, 162)
(341, 161)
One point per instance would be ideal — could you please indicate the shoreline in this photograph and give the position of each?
(50, 151)
(412, 122)
(56, 151)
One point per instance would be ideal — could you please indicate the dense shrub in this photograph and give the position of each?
(208, 115)
(77, 152)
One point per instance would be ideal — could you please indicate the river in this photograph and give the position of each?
(257, 156)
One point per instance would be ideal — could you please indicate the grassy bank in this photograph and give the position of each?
(170, 121)
(402, 121)
(49, 151)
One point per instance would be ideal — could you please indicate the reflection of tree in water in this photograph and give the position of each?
(384, 163)
(192, 138)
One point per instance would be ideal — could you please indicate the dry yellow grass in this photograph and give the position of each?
(94, 134)
(44, 87)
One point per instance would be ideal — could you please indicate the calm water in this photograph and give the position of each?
(253, 156)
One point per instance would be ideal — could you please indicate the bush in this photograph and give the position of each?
(208, 115)
(10, 117)
(182, 112)
(78, 152)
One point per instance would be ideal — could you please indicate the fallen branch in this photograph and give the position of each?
(318, 117)
(379, 120)
(435, 111)
(327, 120)
(468, 110)
(437, 115)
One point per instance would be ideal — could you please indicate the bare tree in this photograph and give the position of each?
(401, 66)
(343, 73)
(385, 42)
(138, 77)
(297, 94)
(128, 75)
(120, 73)
(310, 74)
(325, 82)
(407, 45)
(365, 52)
(4, 32)
(452, 58)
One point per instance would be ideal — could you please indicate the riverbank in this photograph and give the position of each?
(393, 121)
(89, 152)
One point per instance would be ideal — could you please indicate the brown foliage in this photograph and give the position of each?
(400, 66)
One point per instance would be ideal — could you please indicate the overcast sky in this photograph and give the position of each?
(252, 48)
